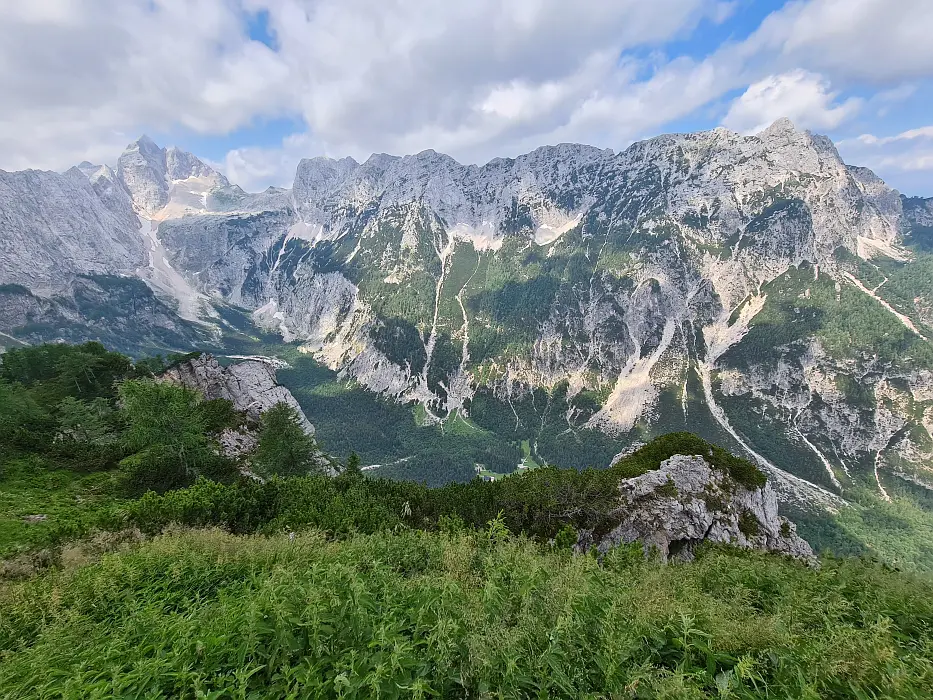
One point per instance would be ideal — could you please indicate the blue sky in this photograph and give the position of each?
(254, 85)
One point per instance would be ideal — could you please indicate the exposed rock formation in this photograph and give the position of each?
(686, 501)
(53, 227)
(708, 275)
(121, 312)
(249, 385)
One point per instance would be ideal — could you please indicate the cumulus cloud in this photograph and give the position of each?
(907, 155)
(80, 78)
(879, 41)
(806, 98)
(475, 79)
(478, 81)
(254, 168)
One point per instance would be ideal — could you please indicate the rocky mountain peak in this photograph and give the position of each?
(181, 165)
(88, 168)
(142, 168)
(169, 182)
(780, 127)
(144, 144)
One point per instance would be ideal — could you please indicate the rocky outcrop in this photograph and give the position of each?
(250, 385)
(685, 502)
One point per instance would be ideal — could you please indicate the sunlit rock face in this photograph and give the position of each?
(756, 289)
(249, 385)
(685, 502)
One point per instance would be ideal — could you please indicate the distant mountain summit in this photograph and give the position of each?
(755, 289)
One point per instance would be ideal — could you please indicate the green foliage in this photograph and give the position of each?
(566, 538)
(284, 449)
(848, 323)
(23, 422)
(539, 503)
(412, 614)
(157, 364)
(353, 464)
(218, 414)
(166, 432)
(651, 455)
(73, 502)
(748, 524)
(348, 418)
(668, 489)
(86, 421)
(56, 371)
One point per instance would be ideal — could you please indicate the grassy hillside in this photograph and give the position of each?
(410, 614)
(138, 563)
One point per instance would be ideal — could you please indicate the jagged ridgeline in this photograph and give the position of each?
(755, 290)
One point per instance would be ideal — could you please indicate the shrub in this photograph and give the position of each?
(668, 489)
(414, 614)
(284, 448)
(664, 447)
(748, 524)
(166, 436)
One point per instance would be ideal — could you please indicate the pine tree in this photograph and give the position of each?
(284, 448)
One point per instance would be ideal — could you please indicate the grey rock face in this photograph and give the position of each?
(686, 502)
(237, 443)
(157, 177)
(142, 169)
(250, 385)
(652, 265)
(918, 210)
(53, 227)
(121, 312)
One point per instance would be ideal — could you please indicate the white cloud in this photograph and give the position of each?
(477, 83)
(81, 78)
(880, 41)
(806, 98)
(365, 75)
(254, 169)
(907, 151)
(475, 79)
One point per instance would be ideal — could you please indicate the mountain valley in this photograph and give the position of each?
(560, 307)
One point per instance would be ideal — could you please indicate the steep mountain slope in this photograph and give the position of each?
(56, 226)
(754, 289)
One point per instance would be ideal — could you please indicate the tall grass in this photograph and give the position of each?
(411, 614)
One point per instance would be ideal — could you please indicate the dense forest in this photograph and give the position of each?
(138, 561)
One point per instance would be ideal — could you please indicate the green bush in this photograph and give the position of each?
(748, 524)
(167, 437)
(664, 447)
(284, 448)
(539, 503)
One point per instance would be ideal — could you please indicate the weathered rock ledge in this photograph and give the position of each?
(685, 502)
(250, 385)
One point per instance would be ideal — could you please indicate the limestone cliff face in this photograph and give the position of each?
(706, 277)
(54, 226)
(686, 502)
(250, 385)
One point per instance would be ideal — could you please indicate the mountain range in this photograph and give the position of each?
(754, 289)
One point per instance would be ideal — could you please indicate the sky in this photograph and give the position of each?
(253, 86)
